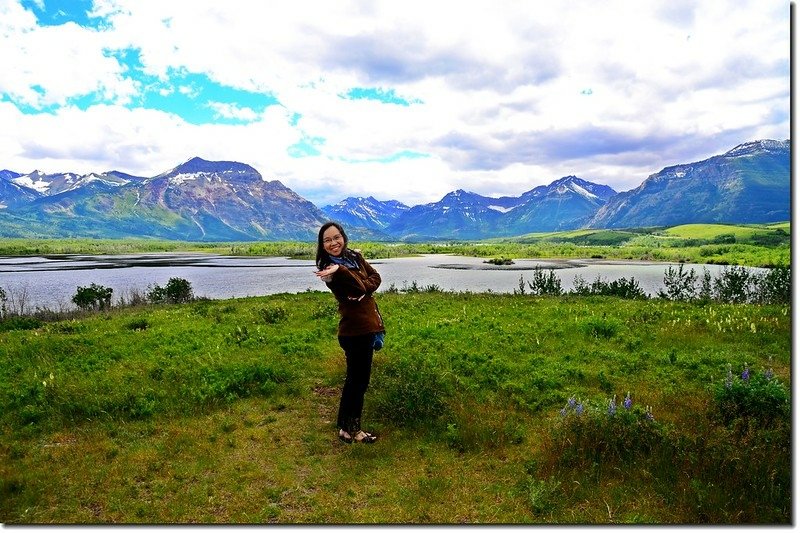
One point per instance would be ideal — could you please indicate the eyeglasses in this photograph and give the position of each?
(337, 238)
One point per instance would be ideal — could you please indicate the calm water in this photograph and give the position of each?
(52, 281)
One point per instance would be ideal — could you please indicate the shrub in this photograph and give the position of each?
(328, 310)
(139, 324)
(752, 397)
(20, 323)
(177, 290)
(775, 287)
(679, 284)
(725, 238)
(608, 433)
(273, 314)
(621, 288)
(733, 285)
(544, 284)
(600, 327)
(500, 261)
(94, 297)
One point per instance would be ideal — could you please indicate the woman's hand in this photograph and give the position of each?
(326, 274)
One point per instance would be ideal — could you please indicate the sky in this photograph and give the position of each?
(400, 100)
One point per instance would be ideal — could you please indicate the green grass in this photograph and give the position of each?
(709, 231)
(224, 412)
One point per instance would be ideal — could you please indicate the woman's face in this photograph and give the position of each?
(332, 241)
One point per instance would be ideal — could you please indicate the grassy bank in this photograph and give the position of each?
(224, 411)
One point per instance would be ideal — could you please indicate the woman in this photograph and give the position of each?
(352, 281)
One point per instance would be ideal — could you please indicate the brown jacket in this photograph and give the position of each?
(353, 290)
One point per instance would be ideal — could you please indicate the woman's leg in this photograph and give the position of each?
(358, 353)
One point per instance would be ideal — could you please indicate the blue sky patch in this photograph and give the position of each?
(404, 154)
(306, 147)
(58, 12)
(376, 93)
(196, 98)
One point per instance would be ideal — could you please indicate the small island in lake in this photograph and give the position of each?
(500, 261)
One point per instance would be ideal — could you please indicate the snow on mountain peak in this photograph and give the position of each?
(753, 147)
(583, 192)
(33, 181)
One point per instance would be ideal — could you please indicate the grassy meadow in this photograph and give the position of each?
(490, 408)
(495, 409)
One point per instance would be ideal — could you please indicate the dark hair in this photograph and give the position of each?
(323, 259)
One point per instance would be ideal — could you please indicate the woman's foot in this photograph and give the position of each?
(366, 438)
(345, 436)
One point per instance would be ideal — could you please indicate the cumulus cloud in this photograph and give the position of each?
(502, 97)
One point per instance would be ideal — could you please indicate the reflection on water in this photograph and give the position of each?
(51, 281)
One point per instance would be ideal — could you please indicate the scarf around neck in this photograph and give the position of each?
(349, 262)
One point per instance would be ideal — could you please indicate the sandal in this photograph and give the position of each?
(345, 436)
(364, 437)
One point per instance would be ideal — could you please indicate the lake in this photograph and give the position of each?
(51, 281)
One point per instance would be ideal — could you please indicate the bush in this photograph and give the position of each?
(679, 284)
(621, 288)
(752, 397)
(138, 324)
(600, 327)
(775, 287)
(733, 285)
(94, 297)
(500, 261)
(544, 284)
(178, 290)
(20, 323)
(273, 314)
(607, 433)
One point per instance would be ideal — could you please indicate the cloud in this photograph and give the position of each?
(396, 100)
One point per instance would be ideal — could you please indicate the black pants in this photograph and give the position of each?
(358, 352)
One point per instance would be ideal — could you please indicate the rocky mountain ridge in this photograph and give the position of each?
(230, 201)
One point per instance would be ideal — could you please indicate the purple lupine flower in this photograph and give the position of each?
(612, 406)
(563, 412)
(579, 408)
(628, 402)
(746, 373)
(769, 374)
(571, 402)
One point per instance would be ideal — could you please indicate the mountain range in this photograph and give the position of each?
(203, 200)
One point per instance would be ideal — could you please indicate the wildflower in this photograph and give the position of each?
(612, 406)
(769, 374)
(579, 409)
(746, 373)
(563, 411)
(571, 402)
(628, 401)
(729, 378)
(648, 413)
